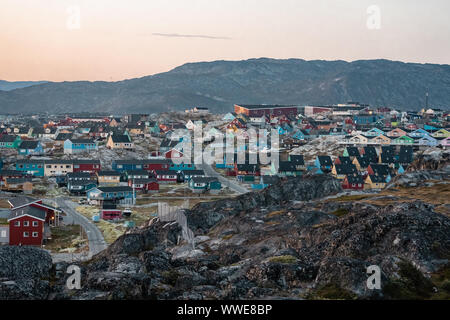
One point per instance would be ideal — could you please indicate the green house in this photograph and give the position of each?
(404, 140)
(10, 141)
(204, 184)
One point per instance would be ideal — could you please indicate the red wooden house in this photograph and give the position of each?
(26, 226)
(110, 212)
(156, 164)
(237, 123)
(92, 166)
(353, 182)
(23, 202)
(144, 185)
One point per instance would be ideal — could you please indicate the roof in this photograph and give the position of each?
(345, 169)
(270, 179)
(115, 189)
(30, 211)
(363, 161)
(325, 160)
(86, 161)
(287, 166)
(345, 160)
(380, 169)
(81, 141)
(353, 151)
(144, 181)
(29, 144)
(120, 138)
(377, 178)
(108, 173)
(355, 179)
(63, 136)
(265, 106)
(297, 159)
(10, 173)
(137, 172)
(204, 179)
(8, 138)
(71, 175)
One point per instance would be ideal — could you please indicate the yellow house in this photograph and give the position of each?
(381, 139)
(359, 139)
(119, 141)
(441, 133)
(110, 178)
(57, 167)
(374, 182)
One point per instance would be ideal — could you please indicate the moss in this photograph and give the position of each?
(412, 284)
(287, 259)
(340, 212)
(331, 291)
(170, 277)
(227, 237)
(355, 197)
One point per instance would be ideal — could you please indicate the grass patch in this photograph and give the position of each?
(331, 291)
(355, 197)
(412, 284)
(287, 259)
(66, 238)
(340, 212)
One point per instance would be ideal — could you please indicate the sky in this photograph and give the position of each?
(111, 40)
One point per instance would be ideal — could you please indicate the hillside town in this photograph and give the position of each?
(114, 170)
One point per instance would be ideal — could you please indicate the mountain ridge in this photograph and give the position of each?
(220, 84)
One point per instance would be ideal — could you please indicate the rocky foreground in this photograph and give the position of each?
(298, 239)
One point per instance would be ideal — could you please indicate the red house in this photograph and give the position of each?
(110, 212)
(353, 182)
(156, 164)
(23, 202)
(144, 185)
(26, 226)
(92, 166)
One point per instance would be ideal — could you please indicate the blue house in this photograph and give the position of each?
(299, 135)
(419, 133)
(430, 128)
(264, 182)
(32, 167)
(73, 146)
(28, 147)
(427, 140)
(127, 165)
(366, 118)
(118, 195)
(181, 166)
(374, 132)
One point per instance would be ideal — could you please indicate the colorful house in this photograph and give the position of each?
(375, 182)
(30, 147)
(441, 133)
(73, 146)
(108, 177)
(340, 171)
(353, 182)
(10, 141)
(403, 140)
(117, 194)
(31, 167)
(204, 184)
(144, 185)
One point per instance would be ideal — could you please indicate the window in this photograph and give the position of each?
(26, 223)
(16, 223)
(35, 223)
(26, 234)
(35, 234)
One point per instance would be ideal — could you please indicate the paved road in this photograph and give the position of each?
(96, 241)
(210, 172)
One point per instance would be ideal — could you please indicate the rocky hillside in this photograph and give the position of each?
(220, 84)
(299, 239)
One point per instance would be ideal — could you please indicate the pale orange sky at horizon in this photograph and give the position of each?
(119, 39)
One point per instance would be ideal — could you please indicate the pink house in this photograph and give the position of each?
(446, 142)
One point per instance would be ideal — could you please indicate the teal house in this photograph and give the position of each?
(10, 141)
(205, 184)
(32, 167)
